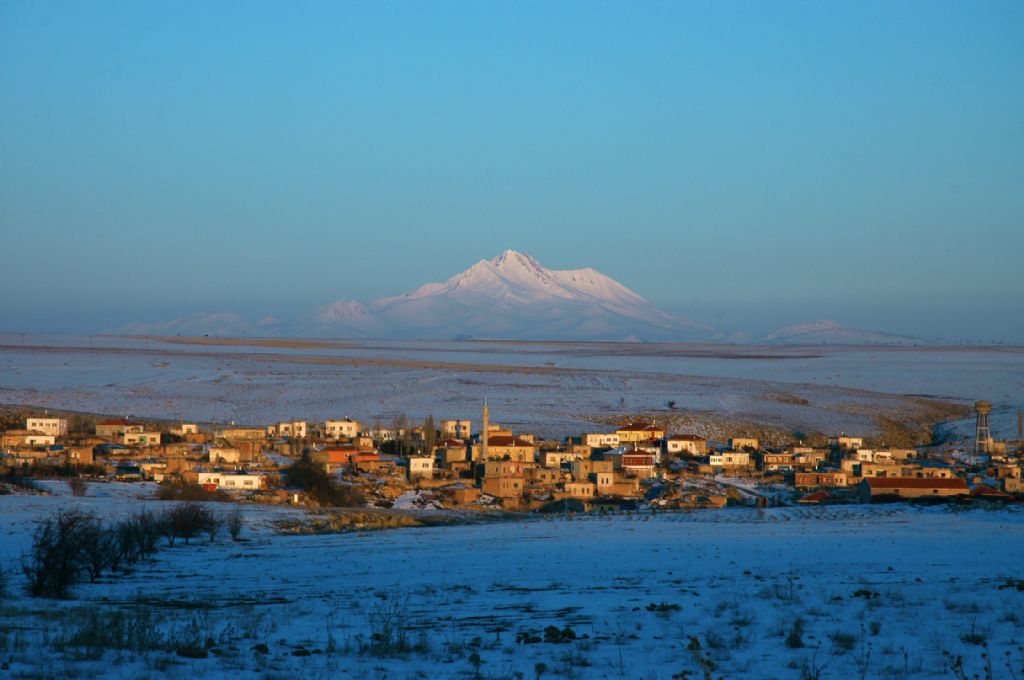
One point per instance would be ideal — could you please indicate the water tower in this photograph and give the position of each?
(983, 436)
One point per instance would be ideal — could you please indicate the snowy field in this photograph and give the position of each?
(553, 389)
(841, 592)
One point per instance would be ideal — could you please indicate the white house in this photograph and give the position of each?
(56, 427)
(294, 428)
(230, 480)
(421, 467)
(729, 459)
(689, 444)
(601, 440)
(341, 429)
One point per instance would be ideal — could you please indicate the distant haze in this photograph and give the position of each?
(748, 166)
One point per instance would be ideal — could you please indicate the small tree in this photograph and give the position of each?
(313, 478)
(184, 521)
(214, 523)
(429, 435)
(99, 548)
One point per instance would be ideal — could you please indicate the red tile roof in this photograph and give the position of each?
(986, 490)
(915, 483)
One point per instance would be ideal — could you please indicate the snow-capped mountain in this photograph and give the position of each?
(831, 333)
(511, 296)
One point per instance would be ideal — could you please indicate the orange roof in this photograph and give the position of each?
(915, 483)
(686, 438)
(364, 457)
(502, 440)
(986, 490)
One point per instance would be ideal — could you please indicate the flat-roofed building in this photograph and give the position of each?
(345, 428)
(601, 440)
(687, 444)
(58, 427)
(420, 467)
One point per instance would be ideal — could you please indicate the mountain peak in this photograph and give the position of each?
(515, 296)
(513, 258)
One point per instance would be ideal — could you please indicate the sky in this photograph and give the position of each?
(749, 165)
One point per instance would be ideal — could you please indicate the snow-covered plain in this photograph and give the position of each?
(880, 592)
(554, 389)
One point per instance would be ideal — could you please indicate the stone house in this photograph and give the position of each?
(911, 487)
(581, 490)
(503, 447)
(638, 432)
(742, 443)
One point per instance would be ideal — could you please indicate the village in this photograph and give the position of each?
(448, 465)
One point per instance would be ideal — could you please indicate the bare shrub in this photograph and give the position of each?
(236, 520)
(55, 559)
(137, 536)
(182, 491)
(795, 637)
(135, 629)
(843, 642)
(78, 486)
(389, 629)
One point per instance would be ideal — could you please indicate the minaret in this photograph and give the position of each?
(484, 431)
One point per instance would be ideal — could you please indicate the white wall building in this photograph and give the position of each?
(729, 459)
(229, 480)
(56, 427)
(421, 467)
(601, 440)
(341, 429)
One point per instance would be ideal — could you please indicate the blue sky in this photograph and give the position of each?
(747, 164)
